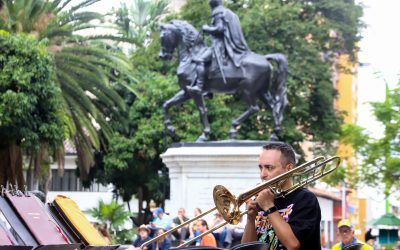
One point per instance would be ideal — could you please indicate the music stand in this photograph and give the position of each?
(16, 247)
(198, 248)
(59, 247)
(112, 247)
(255, 245)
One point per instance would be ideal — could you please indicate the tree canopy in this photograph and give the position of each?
(31, 114)
(85, 69)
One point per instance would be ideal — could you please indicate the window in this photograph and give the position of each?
(70, 182)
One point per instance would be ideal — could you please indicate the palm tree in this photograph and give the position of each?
(112, 214)
(85, 72)
(138, 20)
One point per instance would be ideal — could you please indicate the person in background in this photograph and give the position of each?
(197, 211)
(104, 232)
(163, 243)
(161, 219)
(144, 235)
(208, 239)
(323, 240)
(221, 232)
(193, 226)
(371, 240)
(148, 214)
(182, 233)
(347, 237)
(397, 247)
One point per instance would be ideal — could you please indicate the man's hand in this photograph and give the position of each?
(265, 199)
(251, 206)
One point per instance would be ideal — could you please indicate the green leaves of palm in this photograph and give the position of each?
(85, 72)
(113, 214)
(139, 19)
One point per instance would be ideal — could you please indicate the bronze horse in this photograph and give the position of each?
(253, 79)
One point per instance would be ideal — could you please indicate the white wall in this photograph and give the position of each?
(194, 171)
(327, 218)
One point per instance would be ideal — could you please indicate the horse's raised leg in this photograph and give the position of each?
(277, 105)
(199, 101)
(178, 98)
(253, 108)
(277, 113)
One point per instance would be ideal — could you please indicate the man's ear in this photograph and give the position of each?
(289, 166)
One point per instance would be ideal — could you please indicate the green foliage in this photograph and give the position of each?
(86, 71)
(124, 236)
(380, 157)
(114, 216)
(135, 155)
(136, 21)
(354, 135)
(343, 18)
(30, 106)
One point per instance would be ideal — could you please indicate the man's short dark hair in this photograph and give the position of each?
(285, 149)
(203, 223)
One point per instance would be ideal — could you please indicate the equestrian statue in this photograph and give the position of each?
(228, 66)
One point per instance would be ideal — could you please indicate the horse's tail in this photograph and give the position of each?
(279, 84)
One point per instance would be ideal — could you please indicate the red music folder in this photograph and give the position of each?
(34, 215)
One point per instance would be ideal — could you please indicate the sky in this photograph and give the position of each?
(380, 52)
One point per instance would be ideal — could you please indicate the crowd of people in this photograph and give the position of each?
(224, 237)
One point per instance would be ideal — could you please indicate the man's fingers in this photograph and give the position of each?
(250, 205)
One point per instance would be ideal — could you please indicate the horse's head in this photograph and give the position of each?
(178, 33)
(169, 40)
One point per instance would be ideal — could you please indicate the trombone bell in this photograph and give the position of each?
(226, 204)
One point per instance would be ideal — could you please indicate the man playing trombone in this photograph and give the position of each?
(289, 222)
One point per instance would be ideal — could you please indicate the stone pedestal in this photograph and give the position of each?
(195, 168)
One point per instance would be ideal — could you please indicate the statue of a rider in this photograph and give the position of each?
(228, 43)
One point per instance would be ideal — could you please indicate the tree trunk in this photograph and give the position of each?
(140, 206)
(11, 172)
(42, 169)
(129, 207)
(29, 175)
(387, 203)
(45, 178)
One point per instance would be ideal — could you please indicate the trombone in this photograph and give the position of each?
(228, 205)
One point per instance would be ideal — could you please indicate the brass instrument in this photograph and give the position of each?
(228, 205)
